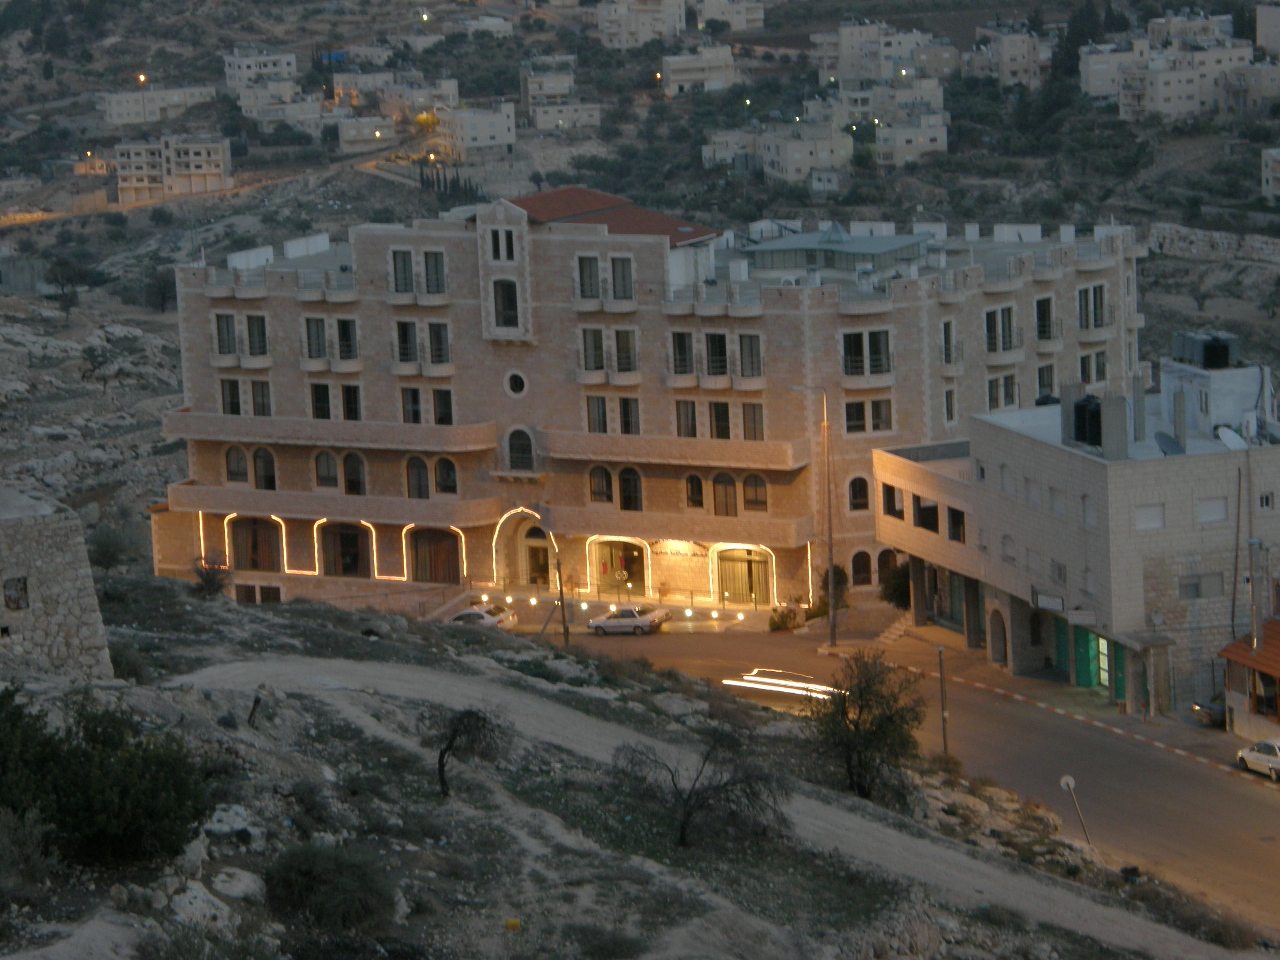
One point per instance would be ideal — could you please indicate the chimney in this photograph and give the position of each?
(1071, 392)
(1139, 410)
(1180, 419)
(1115, 428)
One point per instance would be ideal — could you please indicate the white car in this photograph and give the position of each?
(490, 615)
(643, 618)
(1262, 757)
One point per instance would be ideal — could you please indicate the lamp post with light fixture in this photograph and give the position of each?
(831, 549)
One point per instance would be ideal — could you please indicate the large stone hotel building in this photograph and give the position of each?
(463, 400)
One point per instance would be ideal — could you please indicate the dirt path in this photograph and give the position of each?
(951, 873)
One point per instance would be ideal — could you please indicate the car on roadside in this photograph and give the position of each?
(1262, 757)
(487, 615)
(638, 619)
(1211, 712)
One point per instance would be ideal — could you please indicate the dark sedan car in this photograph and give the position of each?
(1212, 712)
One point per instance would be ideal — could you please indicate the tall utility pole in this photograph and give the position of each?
(827, 474)
(564, 617)
(942, 690)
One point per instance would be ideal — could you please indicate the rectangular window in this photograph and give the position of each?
(350, 402)
(948, 342)
(256, 328)
(1044, 319)
(320, 401)
(717, 354)
(402, 271)
(597, 415)
(719, 417)
(442, 405)
(231, 398)
(1082, 307)
(750, 363)
(438, 335)
(433, 271)
(854, 362)
(881, 415)
(955, 524)
(406, 341)
(317, 348)
(1100, 366)
(502, 242)
(753, 421)
(1044, 380)
(1100, 305)
(1010, 390)
(993, 394)
(855, 417)
(593, 349)
(1202, 586)
(892, 501)
(625, 350)
(226, 328)
(509, 240)
(629, 415)
(993, 331)
(949, 405)
(924, 513)
(588, 278)
(411, 404)
(1086, 368)
(686, 418)
(506, 307)
(879, 359)
(261, 391)
(1008, 338)
(682, 353)
(348, 342)
(621, 268)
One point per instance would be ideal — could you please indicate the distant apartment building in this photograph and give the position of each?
(149, 104)
(348, 86)
(565, 116)
(788, 151)
(364, 134)
(1271, 173)
(1253, 87)
(498, 26)
(742, 15)
(546, 80)
(1055, 537)
(1188, 25)
(407, 100)
(248, 63)
(469, 400)
(873, 100)
(1102, 65)
(909, 135)
(627, 24)
(1010, 55)
(172, 167)
(862, 51)
(474, 134)
(711, 68)
(1268, 28)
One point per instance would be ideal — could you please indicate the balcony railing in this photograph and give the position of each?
(1008, 339)
(1049, 329)
(874, 365)
(952, 352)
(854, 294)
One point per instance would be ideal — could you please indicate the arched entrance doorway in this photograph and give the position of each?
(618, 563)
(435, 556)
(996, 637)
(886, 563)
(536, 556)
(255, 544)
(346, 549)
(743, 576)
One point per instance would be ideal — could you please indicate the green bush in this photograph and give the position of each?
(191, 943)
(336, 888)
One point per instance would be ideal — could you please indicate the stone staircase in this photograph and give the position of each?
(896, 629)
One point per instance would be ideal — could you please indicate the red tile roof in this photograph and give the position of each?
(1267, 657)
(618, 214)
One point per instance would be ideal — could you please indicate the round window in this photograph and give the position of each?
(515, 384)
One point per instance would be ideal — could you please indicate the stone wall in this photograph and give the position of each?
(1178, 241)
(49, 611)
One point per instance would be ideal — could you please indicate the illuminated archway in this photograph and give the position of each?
(713, 567)
(635, 541)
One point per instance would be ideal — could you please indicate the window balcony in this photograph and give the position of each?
(1049, 337)
(588, 304)
(1102, 329)
(876, 372)
(250, 284)
(437, 371)
(682, 451)
(678, 302)
(361, 434)
(862, 302)
(1006, 349)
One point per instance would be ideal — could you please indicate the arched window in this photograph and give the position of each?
(326, 469)
(418, 477)
(629, 494)
(601, 485)
(860, 569)
(264, 469)
(535, 533)
(446, 476)
(520, 450)
(353, 474)
(755, 493)
(724, 494)
(237, 466)
(693, 491)
(859, 494)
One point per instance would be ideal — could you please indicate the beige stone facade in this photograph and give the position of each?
(172, 167)
(627, 24)
(49, 615)
(150, 104)
(711, 68)
(475, 135)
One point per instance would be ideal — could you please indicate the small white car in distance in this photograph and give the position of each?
(1262, 757)
(486, 615)
(638, 619)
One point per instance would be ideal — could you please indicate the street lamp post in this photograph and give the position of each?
(831, 548)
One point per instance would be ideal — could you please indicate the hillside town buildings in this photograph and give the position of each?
(710, 68)
(248, 63)
(788, 152)
(475, 134)
(627, 24)
(172, 167)
(548, 95)
(1009, 54)
(150, 104)
(867, 51)
(742, 15)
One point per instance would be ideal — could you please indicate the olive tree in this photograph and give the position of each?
(469, 734)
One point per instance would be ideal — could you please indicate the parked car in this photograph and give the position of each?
(1211, 712)
(1262, 757)
(642, 618)
(487, 615)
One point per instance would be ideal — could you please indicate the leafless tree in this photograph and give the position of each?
(470, 734)
(723, 779)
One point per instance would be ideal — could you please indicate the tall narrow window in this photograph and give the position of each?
(506, 308)
(417, 479)
(681, 353)
(261, 391)
(719, 416)
(948, 342)
(350, 402)
(881, 415)
(438, 337)
(402, 271)
(1010, 389)
(317, 348)
(860, 569)
(1100, 305)
(717, 354)
(353, 474)
(686, 418)
(629, 415)
(446, 476)
(625, 351)
(859, 494)
(593, 349)
(433, 271)
(855, 417)
(693, 491)
(854, 360)
(993, 394)
(226, 328)
(993, 330)
(724, 495)
(1044, 319)
(509, 243)
(326, 470)
(264, 469)
(1100, 366)
(755, 493)
(949, 406)
(750, 363)
(588, 278)
(348, 341)
(520, 450)
(879, 359)
(231, 398)
(1044, 380)
(411, 405)
(597, 415)
(621, 268)
(601, 482)
(1086, 368)
(442, 407)
(1082, 307)
(320, 401)
(406, 341)
(1008, 339)
(237, 466)
(629, 492)
(753, 421)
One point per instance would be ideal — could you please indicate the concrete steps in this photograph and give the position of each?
(897, 629)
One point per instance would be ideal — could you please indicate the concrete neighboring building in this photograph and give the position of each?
(909, 135)
(172, 167)
(422, 411)
(405, 101)
(711, 68)
(1009, 54)
(547, 80)
(248, 63)
(474, 135)
(1102, 65)
(150, 104)
(1271, 173)
(498, 26)
(865, 50)
(364, 134)
(1186, 81)
(787, 151)
(627, 24)
(49, 619)
(566, 116)
(875, 100)
(742, 15)
(1268, 28)
(349, 85)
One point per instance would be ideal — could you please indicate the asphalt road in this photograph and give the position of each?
(1210, 832)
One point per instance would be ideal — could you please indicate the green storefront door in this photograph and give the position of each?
(1086, 658)
(1062, 645)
